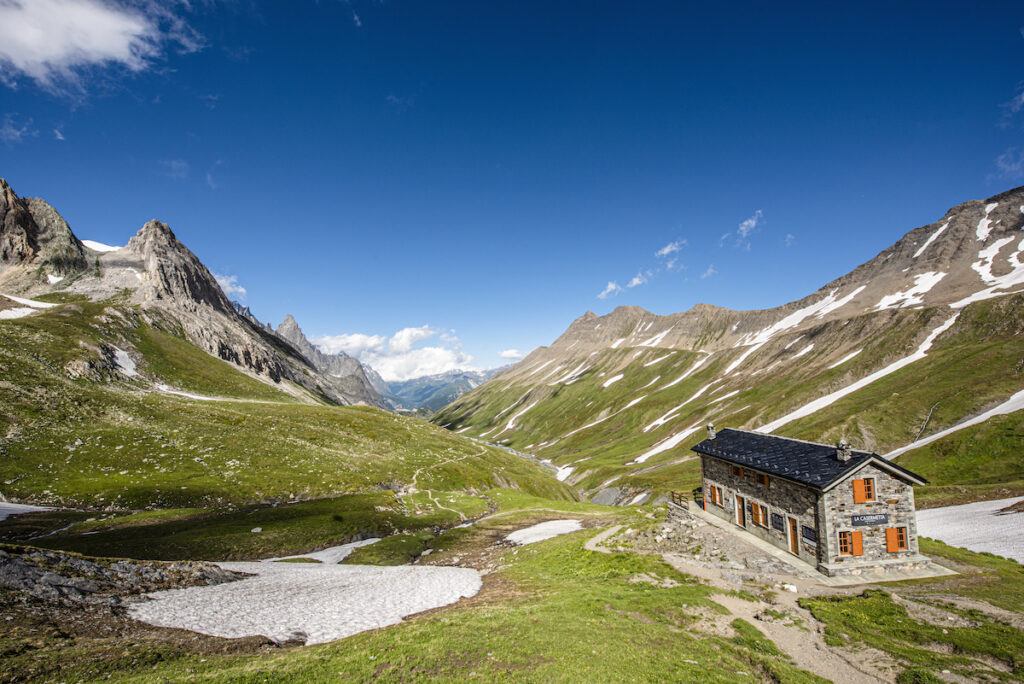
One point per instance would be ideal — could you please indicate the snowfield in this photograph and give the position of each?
(318, 603)
(9, 509)
(99, 246)
(976, 526)
(331, 556)
(544, 530)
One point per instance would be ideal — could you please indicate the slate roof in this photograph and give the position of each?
(808, 463)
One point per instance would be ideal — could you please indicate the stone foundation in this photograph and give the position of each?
(882, 568)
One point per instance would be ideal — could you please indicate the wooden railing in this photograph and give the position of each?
(679, 499)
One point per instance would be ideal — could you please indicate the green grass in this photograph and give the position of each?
(967, 370)
(557, 613)
(181, 364)
(984, 576)
(285, 530)
(874, 619)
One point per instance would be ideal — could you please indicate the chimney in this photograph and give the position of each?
(711, 431)
(843, 452)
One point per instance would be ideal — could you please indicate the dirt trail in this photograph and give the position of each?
(798, 636)
(430, 493)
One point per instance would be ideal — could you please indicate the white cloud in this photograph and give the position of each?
(748, 226)
(398, 358)
(612, 288)
(789, 239)
(229, 284)
(1010, 164)
(671, 248)
(638, 279)
(57, 134)
(53, 42)
(356, 20)
(211, 182)
(175, 168)
(12, 132)
(511, 354)
(405, 338)
(709, 272)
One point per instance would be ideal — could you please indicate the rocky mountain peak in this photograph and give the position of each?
(32, 233)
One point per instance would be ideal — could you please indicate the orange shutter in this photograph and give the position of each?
(892, 540)
(858, 492)
(858, 543)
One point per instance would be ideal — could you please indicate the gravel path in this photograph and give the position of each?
(976, 526)
(314, 602)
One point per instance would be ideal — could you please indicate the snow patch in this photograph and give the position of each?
(671, 414)
(822, 402)
(1004, 282)
(803, 351)
(125, 363)
(323, 602)
(612, 381)
(985, 225)
(689, 372)
(331, 556)
(659, 360)
(9, 509)
(53, 279)
(616, 343)
(846, 358)
(931, 239)
(656, 340)
(1011, 405)
(563, 473)
(666, 444)
(544, 530)
(923, 282)
(19, 312)
(29, 302)
(99, 246)
(976, 526)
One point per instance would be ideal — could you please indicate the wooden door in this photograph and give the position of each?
(741, 511)
(794, 539)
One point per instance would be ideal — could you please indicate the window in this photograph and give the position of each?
(759, 514)
(716, 495)
(851, 543)
(762, 479)
(896, 539)
(737, 471)
(809, 534)
(864, 490)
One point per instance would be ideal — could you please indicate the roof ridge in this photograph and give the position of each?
(794, 439)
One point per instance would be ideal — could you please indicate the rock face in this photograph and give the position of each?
(340, 370)
(866, 357)
(67, 579)
(34, 235)
(167, 282)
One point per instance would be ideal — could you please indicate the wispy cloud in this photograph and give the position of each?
(57, 134)
(511, 354)
(55, 42)
(229, 284)
(638, 279)
(789, 239)
(743, 231)
(1010, 164)
(400, 357)
(612, 288)
(400, 102)
(356, 20)
(709, 272)
(671, 248)
(211, 181)
(175, 168)
(13, 132)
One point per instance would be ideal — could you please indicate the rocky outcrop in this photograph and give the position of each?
(34, 235)
(340, 370)
(67, 579)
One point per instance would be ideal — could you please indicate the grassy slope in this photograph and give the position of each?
(972, 367)
(110, 442)
(556, 612)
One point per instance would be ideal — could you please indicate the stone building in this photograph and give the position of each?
(844, 511)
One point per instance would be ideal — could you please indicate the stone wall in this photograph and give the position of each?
(893, 499)
(782, 497)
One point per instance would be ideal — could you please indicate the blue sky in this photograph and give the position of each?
(428, 184)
